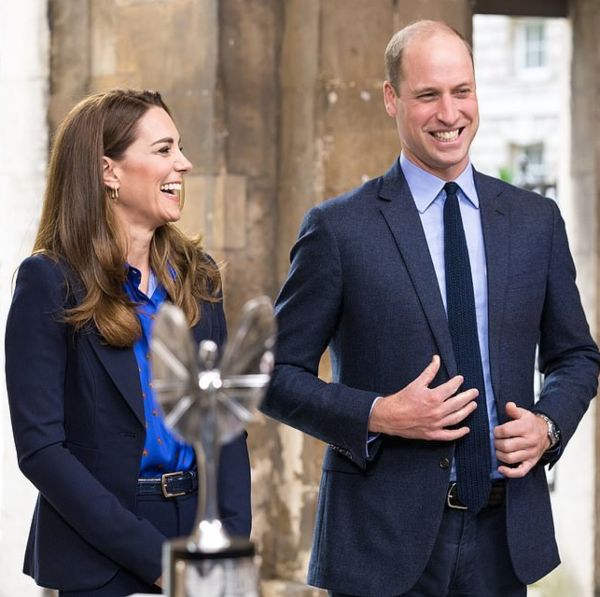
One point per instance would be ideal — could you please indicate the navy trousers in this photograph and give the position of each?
(174, 517)
(470, 559)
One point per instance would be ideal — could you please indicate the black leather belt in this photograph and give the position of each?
(169, 485)
(496, 497)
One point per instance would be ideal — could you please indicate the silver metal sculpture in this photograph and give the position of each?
(208, 403)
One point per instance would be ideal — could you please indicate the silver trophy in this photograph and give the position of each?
(207, 403)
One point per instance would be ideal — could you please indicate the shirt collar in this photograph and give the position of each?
(134, 277)
(425, 187)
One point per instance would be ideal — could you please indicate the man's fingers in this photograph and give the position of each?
(515, 472)
(450, 387)
(428, 374)
(513, 457)
(513, 411)
(459, 415)
(459, 401)
(449, 435)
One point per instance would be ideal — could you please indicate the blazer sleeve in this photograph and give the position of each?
(568, 357)
(36, 364)
(308, 309)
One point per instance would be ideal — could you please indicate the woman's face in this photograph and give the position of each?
(150, 174)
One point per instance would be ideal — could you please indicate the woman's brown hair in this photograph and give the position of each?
(78, 226)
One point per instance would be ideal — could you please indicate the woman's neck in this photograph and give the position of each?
(138, 254)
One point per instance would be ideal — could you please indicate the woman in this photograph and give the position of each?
(84, 417)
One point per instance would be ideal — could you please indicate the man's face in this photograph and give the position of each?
(436, 108)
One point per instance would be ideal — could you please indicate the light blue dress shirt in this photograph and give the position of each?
(429, 196)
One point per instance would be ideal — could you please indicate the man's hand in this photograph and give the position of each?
(420, 412)
(520, 442)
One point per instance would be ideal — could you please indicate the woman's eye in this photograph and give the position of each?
(164, 150)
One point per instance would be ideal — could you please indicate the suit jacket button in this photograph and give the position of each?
(444, 462)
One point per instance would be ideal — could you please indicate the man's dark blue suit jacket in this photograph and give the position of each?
(362, 281)
(78, 421)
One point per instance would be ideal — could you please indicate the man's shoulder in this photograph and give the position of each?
(516, 197)
(356, 199)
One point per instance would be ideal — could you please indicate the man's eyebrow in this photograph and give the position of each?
(420, 90)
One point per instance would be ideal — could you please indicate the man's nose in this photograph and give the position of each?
(447, 110)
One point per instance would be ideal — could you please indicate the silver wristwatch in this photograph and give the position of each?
(552, 430)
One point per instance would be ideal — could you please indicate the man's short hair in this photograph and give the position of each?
(401, 39)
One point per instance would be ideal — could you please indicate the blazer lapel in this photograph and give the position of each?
(400, 212)
(122, 367)
(120, 363)
(496, 236)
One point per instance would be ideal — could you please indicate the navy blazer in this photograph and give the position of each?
(78, 422)
(363, 283)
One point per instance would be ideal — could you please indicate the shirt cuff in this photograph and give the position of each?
(371, 437)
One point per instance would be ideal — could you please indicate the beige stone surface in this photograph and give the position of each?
(69, 56)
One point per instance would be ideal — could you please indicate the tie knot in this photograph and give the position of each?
(451, 188)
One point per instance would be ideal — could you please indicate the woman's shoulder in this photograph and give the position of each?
(44, 274)
(43, 267)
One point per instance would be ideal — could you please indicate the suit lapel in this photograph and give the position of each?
(400, 213)
(496, 236)
(122, 367)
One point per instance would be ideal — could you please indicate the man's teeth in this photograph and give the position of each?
(446, 135)
(171, 187)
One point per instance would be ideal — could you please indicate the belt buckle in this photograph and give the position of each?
(449, 499)
(163, 485)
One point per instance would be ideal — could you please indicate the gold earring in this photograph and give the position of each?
(113, 193)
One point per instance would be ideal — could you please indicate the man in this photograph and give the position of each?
(432, 286)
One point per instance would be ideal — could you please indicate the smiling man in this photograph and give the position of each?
(433, 285)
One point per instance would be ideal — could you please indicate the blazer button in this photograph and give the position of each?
(444, 462)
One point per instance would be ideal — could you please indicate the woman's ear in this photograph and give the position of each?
(108, 172)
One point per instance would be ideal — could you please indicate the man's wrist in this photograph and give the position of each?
(371, 424)
(552, 431)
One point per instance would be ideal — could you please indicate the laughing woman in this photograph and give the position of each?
(84, 417)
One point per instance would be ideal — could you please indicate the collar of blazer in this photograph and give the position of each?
(402, 218)
(120, 363)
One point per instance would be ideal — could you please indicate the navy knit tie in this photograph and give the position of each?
(473, 461)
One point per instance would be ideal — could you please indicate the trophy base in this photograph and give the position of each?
(228, 572)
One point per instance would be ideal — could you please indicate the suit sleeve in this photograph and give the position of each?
(308, 310)
(36, 363)
(568, 357)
